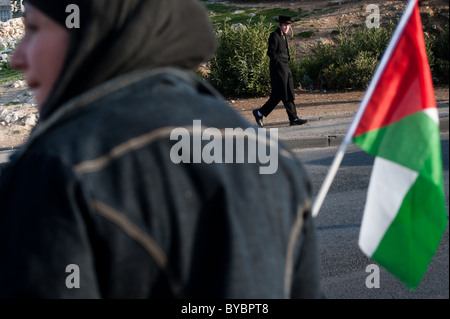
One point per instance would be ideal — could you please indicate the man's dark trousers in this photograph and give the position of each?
(273, 101)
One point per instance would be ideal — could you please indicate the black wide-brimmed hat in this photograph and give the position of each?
(284, 19)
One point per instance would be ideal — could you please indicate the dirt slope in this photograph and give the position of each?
(325, 16)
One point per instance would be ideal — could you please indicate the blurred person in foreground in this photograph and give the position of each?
(93, 204)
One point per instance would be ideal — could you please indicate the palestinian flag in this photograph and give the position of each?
(405, 214)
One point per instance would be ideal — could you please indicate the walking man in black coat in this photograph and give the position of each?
(281, 79)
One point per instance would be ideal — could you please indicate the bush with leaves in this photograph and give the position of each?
(241, 65)
(349, 64)
(439, 46)
(354, 74)
(309, 71)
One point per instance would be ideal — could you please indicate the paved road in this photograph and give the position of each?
(343, 264)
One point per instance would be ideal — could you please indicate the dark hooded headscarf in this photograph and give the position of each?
(116, 37)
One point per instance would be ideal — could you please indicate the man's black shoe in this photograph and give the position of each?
(298, 122)
(258, 118)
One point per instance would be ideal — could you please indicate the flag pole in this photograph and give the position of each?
(328, 179)
(362, 107)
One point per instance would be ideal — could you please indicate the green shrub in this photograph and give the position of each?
(306, 34)
(440, 46)
(338, 76)
(241, 65)
(442, 71)
(363, 67)
(354, 74)
(309, 71)
(7, 73)
(439, 50)
(348, 64)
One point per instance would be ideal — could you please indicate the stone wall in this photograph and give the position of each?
(11, 32)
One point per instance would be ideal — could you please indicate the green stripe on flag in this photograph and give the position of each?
(411, 142)
(414, 236)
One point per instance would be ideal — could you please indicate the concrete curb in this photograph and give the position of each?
(313, 142)
(4, 156)
(336, 140)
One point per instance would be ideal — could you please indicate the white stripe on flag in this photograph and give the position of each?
(433, 113)
(389, 184)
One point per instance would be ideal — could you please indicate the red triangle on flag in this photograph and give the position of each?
(405, 86)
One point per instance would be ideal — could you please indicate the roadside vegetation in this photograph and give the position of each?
(7, 73)
(240, 67)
